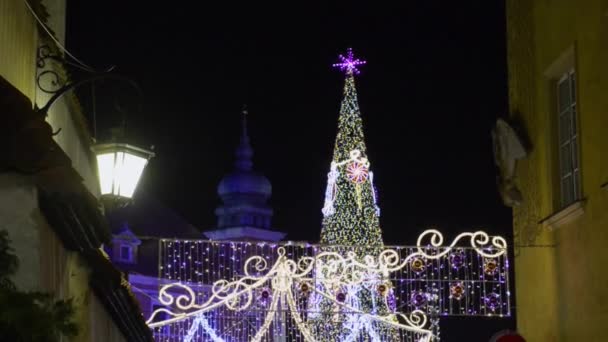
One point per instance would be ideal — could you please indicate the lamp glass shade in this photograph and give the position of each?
(120, 166)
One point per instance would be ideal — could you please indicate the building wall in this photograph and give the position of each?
(560, 283)
(18, 39)
(45, 264)
(74, 137)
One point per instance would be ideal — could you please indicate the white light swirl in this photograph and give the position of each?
(269, 317)
(332, 271)
(202, 321)
(478, 240)
(330, 191)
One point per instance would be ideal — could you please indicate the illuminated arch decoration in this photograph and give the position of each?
(278, 288)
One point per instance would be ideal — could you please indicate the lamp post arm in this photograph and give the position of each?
(70, 86)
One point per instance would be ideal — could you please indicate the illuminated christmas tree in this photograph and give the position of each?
(350, 213)
(351, 221)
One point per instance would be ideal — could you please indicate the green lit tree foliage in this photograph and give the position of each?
(29, 316)
(350, 212)
(351, 220)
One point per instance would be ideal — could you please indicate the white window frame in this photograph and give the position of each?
(568, 141)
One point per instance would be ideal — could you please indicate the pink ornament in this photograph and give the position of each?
(357, 172)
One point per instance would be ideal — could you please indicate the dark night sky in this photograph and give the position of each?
(433, 86)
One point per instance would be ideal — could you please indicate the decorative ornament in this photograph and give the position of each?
(382, 289)
(265, 295)
(357, 172)
(418, 265)
(304, 288)
(492, 301)
(457, 291)
(348, 63)
(274, 279)
(457, 259)
(490, 266)
(418, 299)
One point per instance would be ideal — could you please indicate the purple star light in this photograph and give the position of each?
(349, 63)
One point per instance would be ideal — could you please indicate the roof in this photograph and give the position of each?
(149, 217)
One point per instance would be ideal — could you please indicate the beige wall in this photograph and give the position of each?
(45, 265)
(44, 262)
(559, 266)
(18, 43)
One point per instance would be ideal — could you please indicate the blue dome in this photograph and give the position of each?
(244, 182)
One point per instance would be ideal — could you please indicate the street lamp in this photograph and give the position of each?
(119, 168)
(119, 165)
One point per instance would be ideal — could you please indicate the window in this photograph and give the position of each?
(126, 254)
(569, 171)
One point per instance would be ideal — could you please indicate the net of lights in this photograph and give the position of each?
(247, 291)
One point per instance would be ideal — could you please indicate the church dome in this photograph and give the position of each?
(244, 182)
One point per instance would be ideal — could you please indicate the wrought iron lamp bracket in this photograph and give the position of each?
(61, 84)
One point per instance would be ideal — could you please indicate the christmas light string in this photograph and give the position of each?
(294, 264)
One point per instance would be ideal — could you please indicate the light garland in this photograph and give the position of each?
(348, 288)
(201, 321)
(330, 192)
(354, 218)
(304, 276)
(373, 190)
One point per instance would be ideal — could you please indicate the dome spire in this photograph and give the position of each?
(244, 152)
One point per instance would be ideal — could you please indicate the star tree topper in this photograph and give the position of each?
(349, 63)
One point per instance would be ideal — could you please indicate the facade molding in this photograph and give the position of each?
(564, 216)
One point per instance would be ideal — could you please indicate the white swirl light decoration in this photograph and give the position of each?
(328, 272)
(330, 191)
(388, 259)
(268, 320)
(224, 293)
(415, 321)
(201, 321)
(282, 276)
(308, 336)
(355, 156)
(479, 239)
(373, 189)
